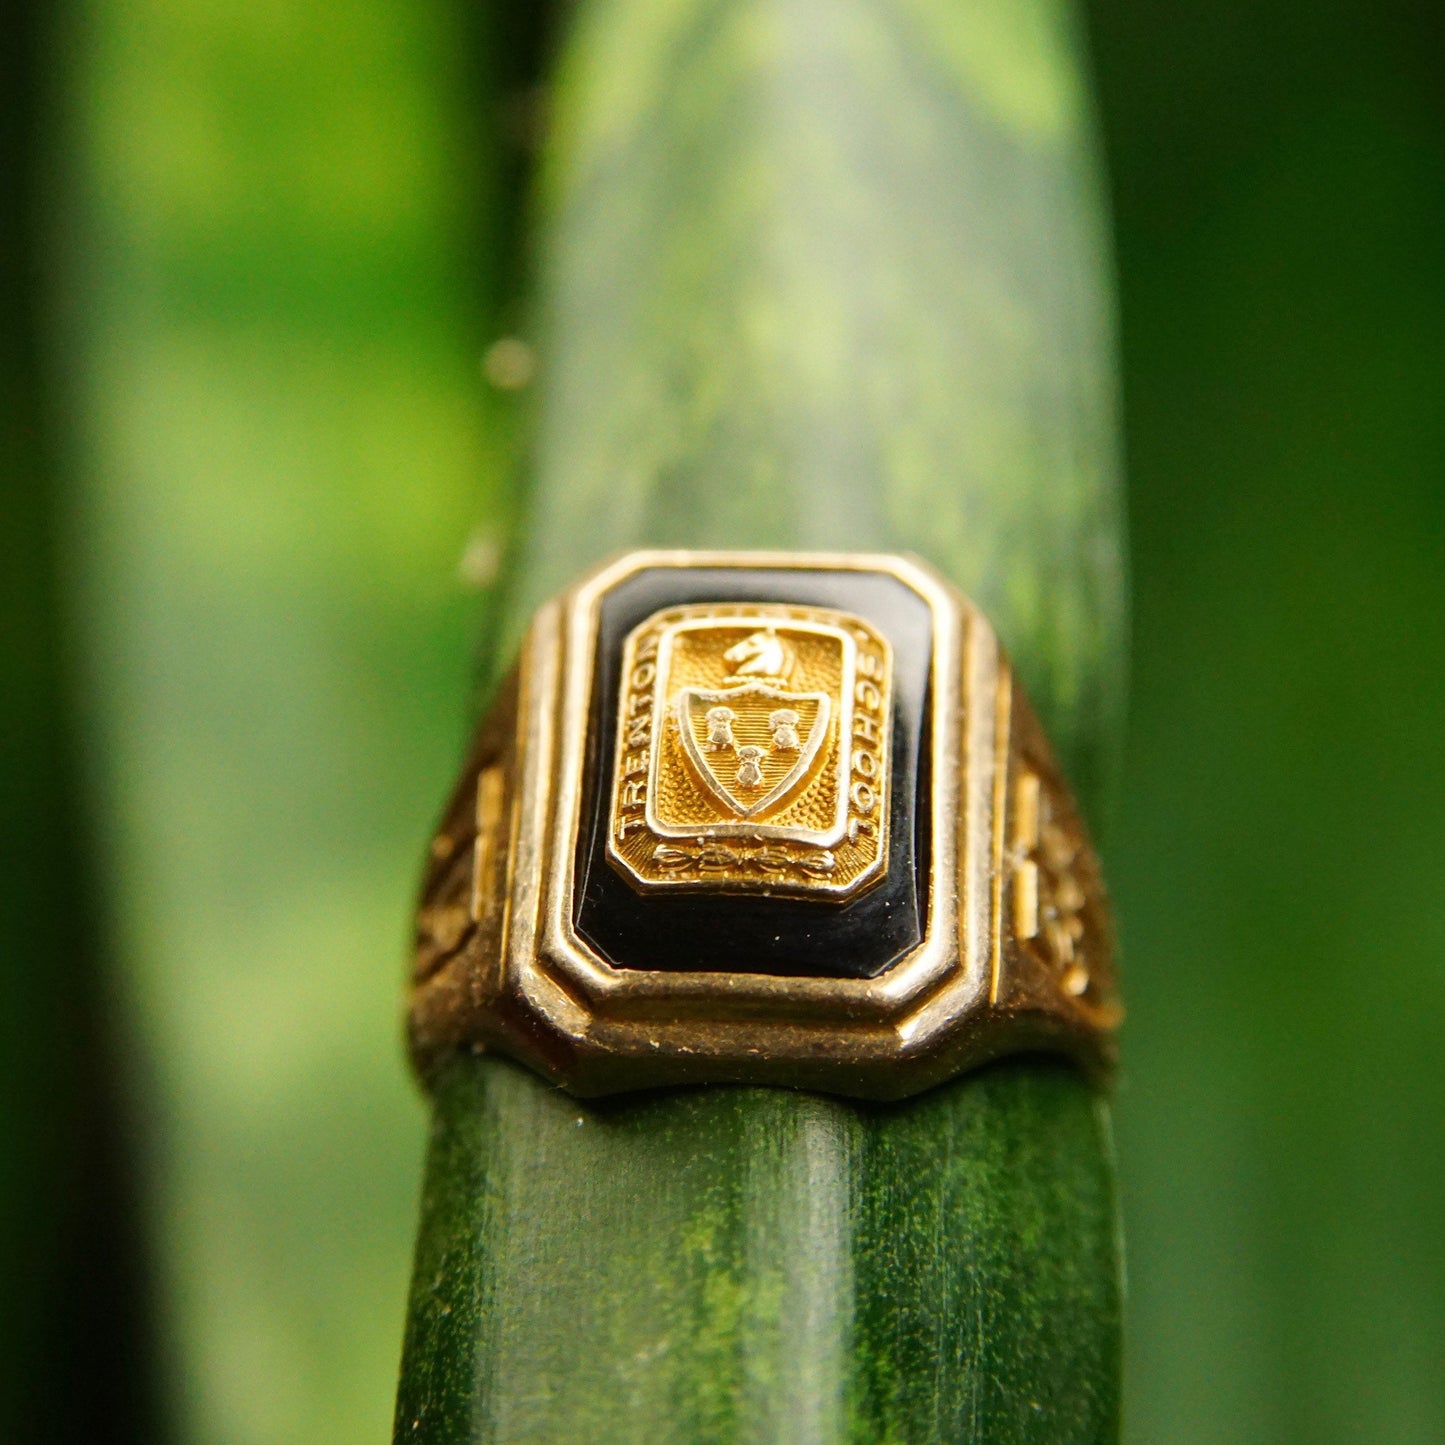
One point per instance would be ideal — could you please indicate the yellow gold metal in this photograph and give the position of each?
(752, 751)
(744, 732)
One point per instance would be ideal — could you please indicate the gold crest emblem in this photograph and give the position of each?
(752, 751)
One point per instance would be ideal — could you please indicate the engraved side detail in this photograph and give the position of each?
(752, 751)
(1052, 864)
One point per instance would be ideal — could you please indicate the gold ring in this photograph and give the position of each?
(766, 818)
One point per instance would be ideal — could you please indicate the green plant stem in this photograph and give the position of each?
(813, 275)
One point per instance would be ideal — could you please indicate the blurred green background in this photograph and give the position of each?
(256, 494)
(1279, 190)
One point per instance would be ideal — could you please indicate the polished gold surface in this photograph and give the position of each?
(709, 788)
(752, 751)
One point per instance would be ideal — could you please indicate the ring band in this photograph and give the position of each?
(764, 818)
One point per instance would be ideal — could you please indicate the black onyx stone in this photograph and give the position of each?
(751, 933)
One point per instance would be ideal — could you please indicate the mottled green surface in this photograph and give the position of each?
(822, 276)
(828, 273)
(748, 1264)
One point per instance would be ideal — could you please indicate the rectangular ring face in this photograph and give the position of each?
(680, 864)
(752, 751)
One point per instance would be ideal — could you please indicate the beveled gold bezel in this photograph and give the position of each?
(743, 1015)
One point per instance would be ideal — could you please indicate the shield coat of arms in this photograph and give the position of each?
(752, 746)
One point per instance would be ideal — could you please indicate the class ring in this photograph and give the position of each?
(766, 818)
